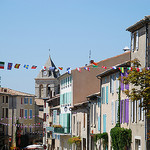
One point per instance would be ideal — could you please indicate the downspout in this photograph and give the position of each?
(100, 107)
(146, 65)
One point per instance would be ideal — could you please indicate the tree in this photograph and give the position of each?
(140, 79)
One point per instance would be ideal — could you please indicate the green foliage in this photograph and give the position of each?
(141, 82)
(74, 139)
(104, 137)
(121, 138)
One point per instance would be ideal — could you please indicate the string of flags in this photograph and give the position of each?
(95, 65)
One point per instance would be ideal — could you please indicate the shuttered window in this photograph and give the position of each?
(104, 122)
(117, 82)
(103, 95)
(106, 94)
(54, 116)
(99, 123)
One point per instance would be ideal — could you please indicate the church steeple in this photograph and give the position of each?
(49, 70)
(46, 83)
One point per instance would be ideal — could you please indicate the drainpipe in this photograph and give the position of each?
(100, 107)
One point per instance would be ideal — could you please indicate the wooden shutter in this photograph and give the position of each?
(99, 123)
(104, 122)
(106, 94)
(135, 113)
(132, 41)
(132, 111)
(127, 111)
(122, 84)
(117, 82)
(120, 111)
(126, 85)
(142, 113)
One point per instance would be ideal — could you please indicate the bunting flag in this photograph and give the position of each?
(2, 65)
(61, 68)
(17, 66)
(33, 67)
(51, 68)
(95, 66)
(104, 67)
(69, 70)
(139, 69)
(44, 68)
(26, 66)
(114, 67)
(9, 67)
(79, 69)
(87, 68)
(121, 69)
(129, 68)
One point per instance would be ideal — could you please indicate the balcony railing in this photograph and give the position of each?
(63, 130)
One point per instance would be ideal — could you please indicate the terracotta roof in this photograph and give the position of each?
(14, 92)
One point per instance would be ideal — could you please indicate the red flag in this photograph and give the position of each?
(17, 66)
(33, 67)
(61, 68)
(104, 67)
(95, 63)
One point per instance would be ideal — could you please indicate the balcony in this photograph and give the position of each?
(63, 130)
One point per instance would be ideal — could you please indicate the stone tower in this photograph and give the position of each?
(46, 83)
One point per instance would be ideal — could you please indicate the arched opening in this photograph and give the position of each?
(48, 91)
(41, 91)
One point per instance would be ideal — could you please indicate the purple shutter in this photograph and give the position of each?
(126, 85)
(122, 84)
(120, 111)
(127, 110)
(123, 110)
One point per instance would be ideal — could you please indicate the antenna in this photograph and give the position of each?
(89, 56)
(49, 52)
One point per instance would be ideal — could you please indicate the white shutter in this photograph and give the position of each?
(132, 112)
(112, 114)
(139, 112)
(137, 40)
(132, 41)
(117, 82)
(135, 113)
(112, 83)
(142, 113)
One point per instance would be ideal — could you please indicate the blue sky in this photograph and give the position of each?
(70, 28)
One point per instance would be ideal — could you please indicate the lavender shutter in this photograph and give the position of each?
(122, 84)
(126, 85)
(120, 111)
(123, 110)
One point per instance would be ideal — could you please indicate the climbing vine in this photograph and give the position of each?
(104, 137)
(121, 138)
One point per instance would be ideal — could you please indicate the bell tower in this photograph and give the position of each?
(46, 83)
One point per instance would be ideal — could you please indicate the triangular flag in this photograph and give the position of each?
(121, 69)
(95, 66)
(104, 67)
(2, 65)
(87, 68)
(61, 68)
(9, 67)
(69, 70)
(79, 69)
(114, 67)
(17, 66)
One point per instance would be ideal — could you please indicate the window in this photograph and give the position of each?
(106, 94)
(135, 41)
(3, 99)
(21, 101)
(30, 101)
(54, 116)
(104, 122)
(95, 114)
(117, 82)
(30, 115)
(6, 99)
(103, 95)
(25, 100)
(91, 118)
(21, 113)
(25, 113)
(112, 83)
(3, 113)
(6, 112)
(84, 120)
